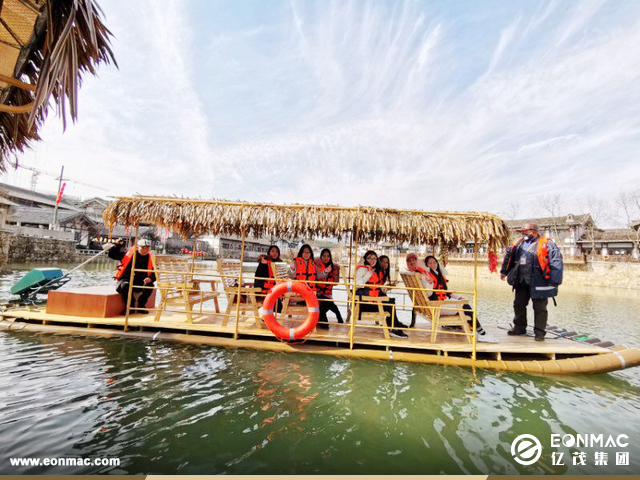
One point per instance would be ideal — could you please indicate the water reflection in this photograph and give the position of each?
(186, 409)
(171, 408)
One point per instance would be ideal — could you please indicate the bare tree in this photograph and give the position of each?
(628, 211)
(552, 205)
(598, 208)
(512, 210)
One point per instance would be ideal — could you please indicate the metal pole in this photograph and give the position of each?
(67, 274)
(55, 208)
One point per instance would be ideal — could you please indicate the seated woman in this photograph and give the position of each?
(325, 290)
(385, 265)
(436, 280)
(371, 274)
(304, 268)
(266, 271)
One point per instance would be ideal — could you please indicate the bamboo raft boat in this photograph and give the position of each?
(197, 305)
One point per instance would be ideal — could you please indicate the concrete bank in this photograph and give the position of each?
(592, 274)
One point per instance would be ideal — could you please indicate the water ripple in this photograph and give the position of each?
(188, 409)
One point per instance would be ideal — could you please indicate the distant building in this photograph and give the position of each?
(613, 242)
(230, 246)
(566, 231)
(38, 222)
(31, 198)
(6, 207)
(31, 213)
(94, 208)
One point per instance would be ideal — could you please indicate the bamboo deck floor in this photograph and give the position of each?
(366, 334)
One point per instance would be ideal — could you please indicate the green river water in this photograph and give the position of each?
(165, 408)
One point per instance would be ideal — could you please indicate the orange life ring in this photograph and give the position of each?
(605, 257)
(313, 309)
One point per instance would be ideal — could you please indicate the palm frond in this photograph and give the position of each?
(69, 40)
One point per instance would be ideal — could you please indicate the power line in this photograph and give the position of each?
(37, 172)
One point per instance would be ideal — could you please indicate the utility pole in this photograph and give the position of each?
(55, 209)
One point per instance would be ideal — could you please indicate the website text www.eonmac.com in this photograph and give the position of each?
(64, 462)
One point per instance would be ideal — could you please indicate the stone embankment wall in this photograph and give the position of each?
(4, 248)
(593, 274)
(34, 249)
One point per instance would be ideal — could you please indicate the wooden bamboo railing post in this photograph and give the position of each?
(350, 257)
(475, 296)
(235, 334)
(193, 256)
(133, 269)
(353, 291)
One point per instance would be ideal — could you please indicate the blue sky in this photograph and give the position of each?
(449, 105)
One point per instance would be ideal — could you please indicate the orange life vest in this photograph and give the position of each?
(376, 279)
(306, 271)
(326, 289)
(270, 282)
(421, 270)
(127, 260)
(542, 252)
(440, 295)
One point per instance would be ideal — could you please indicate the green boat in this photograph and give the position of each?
(39, 280)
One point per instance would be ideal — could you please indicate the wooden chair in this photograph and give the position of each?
(378, 317)
(292, 304)
(230, 273)
(175, 282)
(432, 309)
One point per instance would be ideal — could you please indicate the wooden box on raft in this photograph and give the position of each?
(94, 302)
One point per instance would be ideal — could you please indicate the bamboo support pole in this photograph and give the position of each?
(133, 270)
(353, 292)
(350, 255)
(238, 298)
(475, 298)
(193, 256)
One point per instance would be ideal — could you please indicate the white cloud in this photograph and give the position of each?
(400, 104)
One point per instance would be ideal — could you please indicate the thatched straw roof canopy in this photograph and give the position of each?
(218, 217)
(46, 46)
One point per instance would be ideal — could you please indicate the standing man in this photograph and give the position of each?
(141, 277)
(533, 267)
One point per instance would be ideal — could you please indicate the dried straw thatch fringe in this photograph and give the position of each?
(69, 39)
(219, 217)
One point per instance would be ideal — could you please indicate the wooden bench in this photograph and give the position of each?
(178, 287)
(432, 309)
(94, 302)
(247, 301)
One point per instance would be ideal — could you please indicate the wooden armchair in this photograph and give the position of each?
(177, 286)
(378, 317)
(432, 309)
(247, 301)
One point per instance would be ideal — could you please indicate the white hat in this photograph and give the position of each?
(144, 243)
